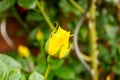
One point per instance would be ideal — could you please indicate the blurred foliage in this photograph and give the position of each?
(30, 19)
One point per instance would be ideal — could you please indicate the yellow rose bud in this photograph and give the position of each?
(38, 35)
(108, 77)
(58, 43)
(23, 51)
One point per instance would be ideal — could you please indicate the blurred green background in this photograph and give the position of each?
(24, 19)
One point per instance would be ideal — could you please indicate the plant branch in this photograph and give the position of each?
(77, 6)
(41, 8)
(47, 72)
(75, 39)
(92, 44)
(86, 58)
(4, 34)
(28, 65)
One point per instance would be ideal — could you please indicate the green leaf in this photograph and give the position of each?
(116, 69)
(32, 37)
(5, 4)
(29, 4)
(62, 5)
(104, 55)
(83, 33)
(65, 73)
(3, 70)
(35, 76)
(32, 34)
(76, 65)
(34, 16)
(68, 8)
(41, 68)
(111, 31)
(119, 49)
(10, 62)
(15, 75)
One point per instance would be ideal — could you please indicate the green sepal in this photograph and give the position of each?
(54, 63)
(6, 4)
(46, 46)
